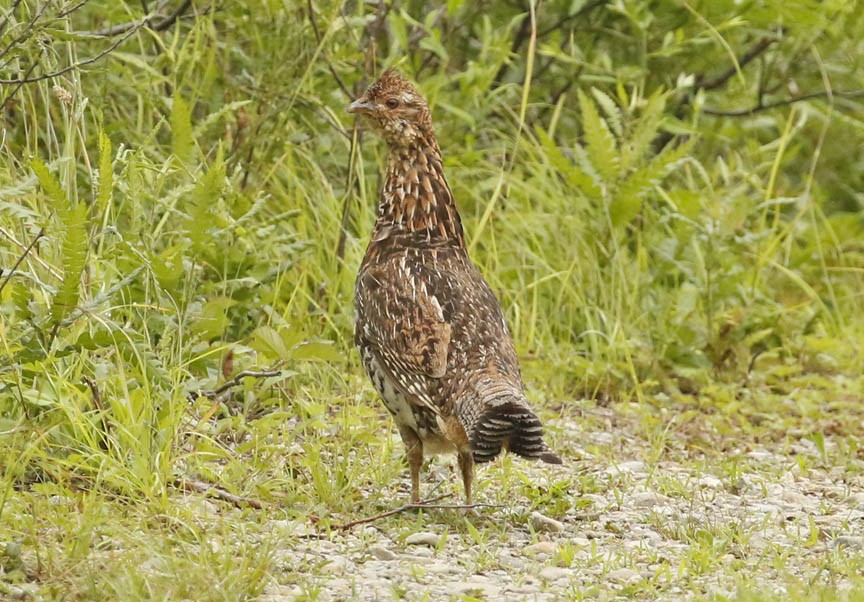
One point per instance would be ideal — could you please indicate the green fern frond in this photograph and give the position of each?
(182, 140)
(644, 132)
(572, 172)
(72, 223)
(106, 172)
(611, 110)
(599, 139)
(599, 187)
(628, 198)
(209, 189)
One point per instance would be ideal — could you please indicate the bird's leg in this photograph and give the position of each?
(414, 451)
(466, 466)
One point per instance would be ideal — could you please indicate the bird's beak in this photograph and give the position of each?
(361, 105)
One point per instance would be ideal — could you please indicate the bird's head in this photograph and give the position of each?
(396, 110)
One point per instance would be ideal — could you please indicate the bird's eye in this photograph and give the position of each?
(392, 103)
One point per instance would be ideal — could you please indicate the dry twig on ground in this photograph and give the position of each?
(215, 492)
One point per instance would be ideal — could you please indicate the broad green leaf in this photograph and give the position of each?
(212, 322)
(266, 340)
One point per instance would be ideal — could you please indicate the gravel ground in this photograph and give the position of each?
(688, 525)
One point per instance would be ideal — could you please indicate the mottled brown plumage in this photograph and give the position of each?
(429, 329)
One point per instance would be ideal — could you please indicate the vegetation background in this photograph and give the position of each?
(668, 197)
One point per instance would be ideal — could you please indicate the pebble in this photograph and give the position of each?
(422, 539)
(541, 547)
(596, 500)
(541, 522)
(625, 576)
(476, 585)
(634, 468)
(856, 500)
(511, 563)
(765, 508)
(553, 573)
(336, 565)
(761, 455)
(444, 568)
(848, 541)
(794, 498)
(710, 482)
(649, 499)
(382, 553)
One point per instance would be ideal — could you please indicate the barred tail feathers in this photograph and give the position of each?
(512, 426)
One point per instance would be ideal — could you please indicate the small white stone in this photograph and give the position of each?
(710, 482)
(848, 541)
(422, 539)
(553, 573)
(649, 499)
(625, 576)
(760, 454)
(382, 553)
(511, 563)
(336, 565)
(541, 522)
(444, 568)
(765, 508)
(481, 586)
(634, 468)
(541, 547)
(793, 498)
(596, 500)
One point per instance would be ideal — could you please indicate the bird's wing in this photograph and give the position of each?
(405, 328)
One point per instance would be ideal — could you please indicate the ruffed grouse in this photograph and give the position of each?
(429, 329)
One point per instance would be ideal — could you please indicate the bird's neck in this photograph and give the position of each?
(416, 198)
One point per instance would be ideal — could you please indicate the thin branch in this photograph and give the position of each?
(21, 258)
(521, 34)
(351, 182)
(745, 59)
(234, 382)
(26, 31)
(582, 11)
(149, 22)
(92, 59)
(524, 30)
(311, 11)
(215, 492)
(664, 137)
(172, 18)
(405, 507)
(762, 106)
(71, 9)
(26, 75)
(9, 13)
(94, 389)
(100, 407)
(126, 28)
